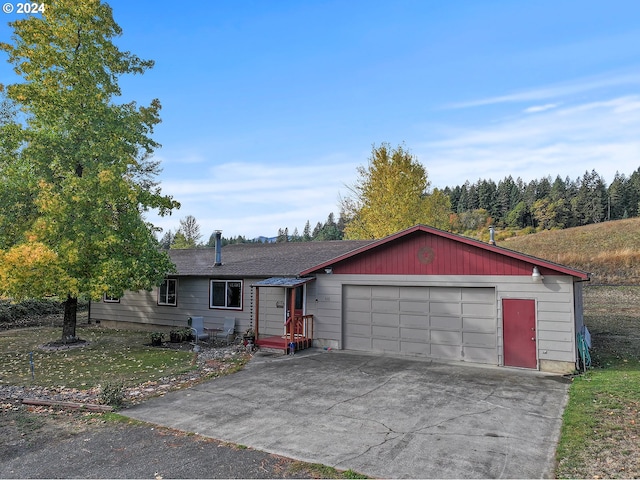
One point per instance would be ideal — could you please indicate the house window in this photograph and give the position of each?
(110, 299)
(167, 292)
(226, 294)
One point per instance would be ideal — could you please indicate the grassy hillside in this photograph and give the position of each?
(610, 251)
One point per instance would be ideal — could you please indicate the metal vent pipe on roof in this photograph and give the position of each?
(218, 248)
(492, 235)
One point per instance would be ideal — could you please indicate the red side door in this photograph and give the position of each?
(519, 333)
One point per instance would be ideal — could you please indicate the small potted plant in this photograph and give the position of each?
(175, 335)
(156, 338)
(179, 335)
(187, 334)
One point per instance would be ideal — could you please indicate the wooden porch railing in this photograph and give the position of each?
(301, 330)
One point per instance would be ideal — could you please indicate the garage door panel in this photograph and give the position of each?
(381, 291)
(485, 325)
(358, 305)
(418, 321)
(384, 306)
(360, 343)
(378, 331)
(479, 355)
(358, 330)
(478, 310)
(446, 338)
(449, 352)
(415, 348)
(414, 293)
(414, 306)
(414, 334)
(479, 339)
(441, 308)
(478, 294)
(446, 323)
(360, 318)
(445, 294)
(359, 291)
(384, 345)
(385, 319)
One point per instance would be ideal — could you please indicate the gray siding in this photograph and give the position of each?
(141, 308)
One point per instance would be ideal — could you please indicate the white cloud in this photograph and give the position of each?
(557, 90)
(601, 135)
(253, 199)
(540, 108)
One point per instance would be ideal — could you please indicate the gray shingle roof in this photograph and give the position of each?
(261, 260)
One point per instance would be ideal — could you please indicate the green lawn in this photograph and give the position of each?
(110, 355)
(601, 425)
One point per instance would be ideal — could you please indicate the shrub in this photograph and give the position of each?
(15, 311)
(112, 393)
(180, 335)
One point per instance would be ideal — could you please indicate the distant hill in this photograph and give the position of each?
(610, 251)
(263, 239)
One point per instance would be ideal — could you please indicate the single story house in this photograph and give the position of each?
(420, 292)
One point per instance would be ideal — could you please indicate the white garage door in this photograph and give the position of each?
(449, 323)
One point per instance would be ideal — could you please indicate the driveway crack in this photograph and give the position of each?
(363, 394)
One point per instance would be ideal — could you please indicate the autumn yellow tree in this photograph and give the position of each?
(76, 172)
(391, 194)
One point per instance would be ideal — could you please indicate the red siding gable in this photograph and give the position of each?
(422, 254)
(423, 250)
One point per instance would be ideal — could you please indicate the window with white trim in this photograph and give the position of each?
(110, 299)
(225, 294)
(168, 292)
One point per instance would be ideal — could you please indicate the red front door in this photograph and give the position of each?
(519, 333)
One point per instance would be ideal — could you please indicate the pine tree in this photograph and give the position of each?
(306, 233)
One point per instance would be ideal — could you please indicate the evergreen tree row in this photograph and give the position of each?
(545, 203)
(329, 230)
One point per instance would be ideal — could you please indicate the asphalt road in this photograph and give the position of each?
(37, 446)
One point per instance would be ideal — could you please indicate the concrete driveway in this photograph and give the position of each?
(378, 415)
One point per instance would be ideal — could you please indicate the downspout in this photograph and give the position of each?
(257, 315)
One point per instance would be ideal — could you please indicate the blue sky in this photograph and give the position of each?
(270, 106)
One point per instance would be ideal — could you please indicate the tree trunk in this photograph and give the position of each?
(70, 318)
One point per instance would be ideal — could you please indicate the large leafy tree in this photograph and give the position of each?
(391, 194)
(80, 162)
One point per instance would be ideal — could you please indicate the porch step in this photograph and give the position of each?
(280, 343)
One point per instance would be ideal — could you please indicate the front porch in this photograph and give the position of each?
(301, 336)
(297, 329)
